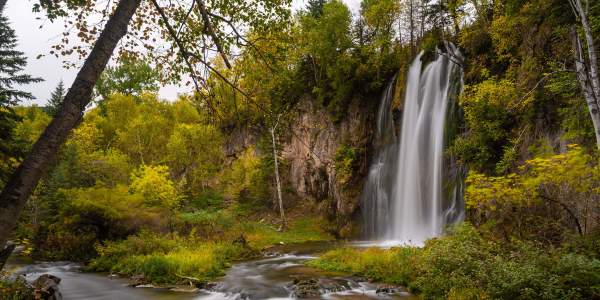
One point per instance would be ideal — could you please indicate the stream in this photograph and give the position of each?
(267, 278)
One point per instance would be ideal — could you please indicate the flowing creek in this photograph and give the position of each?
(268, 278)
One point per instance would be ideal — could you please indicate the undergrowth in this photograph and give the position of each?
(170, 258)
(466, 265)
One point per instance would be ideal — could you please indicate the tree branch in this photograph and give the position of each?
(241, 37)
(567, 209)
(186, 17)
(211, 32)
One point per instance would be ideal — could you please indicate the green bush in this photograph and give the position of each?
(14, 289)
(144, 243)
(391, 266)
(207, 222)
(467, 265)
(168, 258)
(205, 262)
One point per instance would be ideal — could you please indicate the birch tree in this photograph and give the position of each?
(273, 131)
(587, 70)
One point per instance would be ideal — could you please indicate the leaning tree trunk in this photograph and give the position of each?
(25, 178)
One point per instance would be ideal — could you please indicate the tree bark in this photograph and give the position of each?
(25, 178)
(209, 29)
(586, 87)
(593, 60)
(277, 181)
(5, 253)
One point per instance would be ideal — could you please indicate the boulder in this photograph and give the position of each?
(136, 280)
(306, 288)
(389, 289)
(46, 287)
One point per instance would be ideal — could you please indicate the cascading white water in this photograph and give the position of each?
(403, 197)
(378, 187)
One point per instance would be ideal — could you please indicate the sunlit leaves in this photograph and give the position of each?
(568, 182)
(147, 35)
(195, 155)
(153, 183)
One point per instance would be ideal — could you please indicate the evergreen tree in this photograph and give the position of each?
(56, 99)
(315, 8)
(12, 63)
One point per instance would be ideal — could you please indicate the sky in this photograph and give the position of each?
(34, 41)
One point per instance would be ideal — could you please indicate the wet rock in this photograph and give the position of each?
(136, 280)
(306, 288)
(210, 286)
(46, 287)
(389, 289)
(334, 285)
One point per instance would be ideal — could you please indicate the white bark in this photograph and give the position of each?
(586, 87)
(277, 180)
(593, 60)
(587, 72)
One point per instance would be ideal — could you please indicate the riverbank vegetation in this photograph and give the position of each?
(468, 264)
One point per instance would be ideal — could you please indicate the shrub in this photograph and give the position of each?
(208, 222)
(468, 265)
(14, 289)
(144, 243)
(550, 197)
(391, 266)
(164, 259)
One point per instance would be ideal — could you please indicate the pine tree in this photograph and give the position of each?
(56, 99)
(12, 63)
(315, 7)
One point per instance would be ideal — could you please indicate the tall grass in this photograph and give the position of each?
(465, 265)
(169, 258)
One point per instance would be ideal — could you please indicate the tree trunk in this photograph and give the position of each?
(586, 87)
(5, 253)
(277, 181)
(25, 178)
(593, 60)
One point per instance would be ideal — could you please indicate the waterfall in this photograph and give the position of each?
(404, 198)
(378, 187)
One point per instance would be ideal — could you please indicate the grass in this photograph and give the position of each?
(206, 262)
(261, 235)
(394, 266)
(168, 258)
(465, 265)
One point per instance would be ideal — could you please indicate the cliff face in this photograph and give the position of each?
(311, 150)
